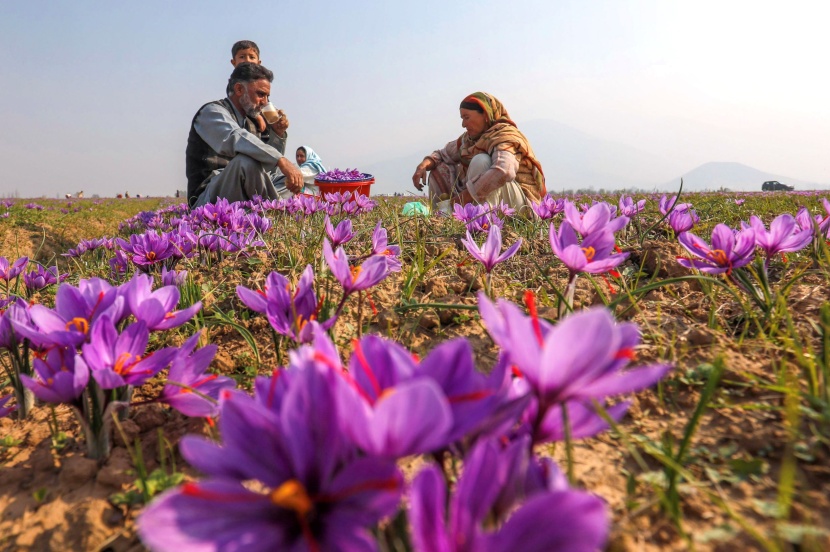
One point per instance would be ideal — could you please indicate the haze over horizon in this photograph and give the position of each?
(99, 96)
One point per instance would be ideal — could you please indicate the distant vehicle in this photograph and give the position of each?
(775, 186)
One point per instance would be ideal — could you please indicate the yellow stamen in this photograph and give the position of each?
(123, 364)
(589, 253)
(292, 496)
(719, 256)
(79, 325)
(356, 272)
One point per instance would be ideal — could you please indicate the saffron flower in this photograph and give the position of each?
(596, 219)
(561, 368)
(682, 221)
(7, 272)
(173, 277)
(340, 235)
(39, 278)
(121, 359)
(288, 311)
(558, 364)
(299, 485)
(147, 249)
(593, 255)
(729, 250)
(548, 207)
(629, 208)
(75, 311)
(380, 246)
(62, 376)
(489, 254)
(784, 235)
(189, 388)
(156, 308)
(6, 410)
(492, 484)
(354, 278)
(667, 204)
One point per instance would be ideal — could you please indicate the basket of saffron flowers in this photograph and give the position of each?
(350, 180)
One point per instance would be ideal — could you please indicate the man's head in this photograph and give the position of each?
(249, 87)
(245, 51)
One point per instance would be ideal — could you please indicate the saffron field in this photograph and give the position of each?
(646, 372)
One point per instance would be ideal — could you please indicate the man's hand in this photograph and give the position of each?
(293, 176)
(282, 124)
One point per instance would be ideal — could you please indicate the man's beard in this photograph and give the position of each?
(251, 110)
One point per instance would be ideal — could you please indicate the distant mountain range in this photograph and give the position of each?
(575, 160)
(732, 176)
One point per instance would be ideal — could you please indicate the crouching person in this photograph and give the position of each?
(227, 157)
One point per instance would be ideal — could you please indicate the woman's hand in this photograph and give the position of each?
(420, 176)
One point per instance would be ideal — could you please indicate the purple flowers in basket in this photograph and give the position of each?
(349, 175)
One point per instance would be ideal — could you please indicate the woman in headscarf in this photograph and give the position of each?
(310, 165)
(491, 162)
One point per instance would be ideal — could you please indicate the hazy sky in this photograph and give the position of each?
(99, 96)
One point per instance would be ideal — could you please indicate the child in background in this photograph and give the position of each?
(246, 51)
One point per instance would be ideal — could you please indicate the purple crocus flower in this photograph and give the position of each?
(392, 413)
(629, 208)
(593, 255)
(173, 277)
(7, 272)
(119, 264)
(489, 255)
(559, 365)
(596, 219)
(117, 359)
(784, 236)
(148, 248)
(340, 235)
(550, 519)
(730, 250)
(380, 246)
(62, 376)
(665, 204)
(288, 311)
(156, 308)
(189, 387)
(357, 278)
(75, 310)
(6, 410)
(313, 491)
(824, 222)
(13, 311)
(682, 221)
(548, 207)
(41, 277)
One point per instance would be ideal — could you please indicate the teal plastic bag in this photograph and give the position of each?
(415, 208)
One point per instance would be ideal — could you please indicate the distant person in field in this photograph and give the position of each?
(227, 156)
(310, 165)
(492, 162)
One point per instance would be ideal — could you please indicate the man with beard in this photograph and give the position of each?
(227, 157)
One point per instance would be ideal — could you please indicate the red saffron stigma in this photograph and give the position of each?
(626, 352)
(530, 301)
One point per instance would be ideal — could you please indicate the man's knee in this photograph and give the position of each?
(245, 164)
